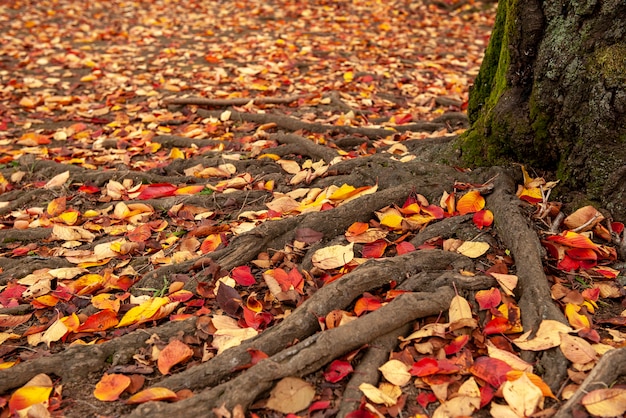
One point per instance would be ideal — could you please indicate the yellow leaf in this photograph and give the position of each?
(290, 395)
(27, 396)
(152, 394)
(470, 202)
(522, 395)
(548, 336)
(111, 386)
(58, 180)
(576, 320)
(473, 249)
(396, 372)
(348, 76)
(606, 402)
(333, 257)
(176, 154)
(577, 350)
(387, 395)
(142, 313)
(391, 219)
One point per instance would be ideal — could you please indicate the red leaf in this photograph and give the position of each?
(573, 239)
(256, 320)
(157, 190)
(140, 234)
(488, 299)
(243, 276)
(483, 218)
(491, 370)
(425, 367)
(99, 321)
(366, 304)
(487, 393)
(404, 247)
(88, 189)
(337, 370)
(375, 249)
(319, 405)
(425, 398)
(434, 210)
(498, 325)
(456, 345)
(617, 227)
(568, 264)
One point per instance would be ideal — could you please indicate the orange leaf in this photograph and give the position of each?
(488, 299)
(573, 239)
(366, 304)
(152, 394)
(28, 396)
(483, 218)
(111, 386)
(471, 202)
(211, 243)
(576, 320)
(189, 190)
(357, 228)
(99, 321)
(56, 206)
(174, 353)
(375, 249)
(140, 234)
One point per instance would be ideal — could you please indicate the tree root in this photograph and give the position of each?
(307, 356)
(304, 320)
(76, 362)
(535, 300)
(293, 124)
(201, 101)
(307, 147)
(611, 366)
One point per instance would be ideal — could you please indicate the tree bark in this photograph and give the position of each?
(551, 93)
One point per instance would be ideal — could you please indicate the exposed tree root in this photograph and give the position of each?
(611, 366)
(307, 356)
(307, 147)
(535, 300)
(201, 101)
(76, 362)
(293, 124)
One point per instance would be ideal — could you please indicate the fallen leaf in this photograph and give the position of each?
(522, 395)
(333, 257)
(473, 249)
(290, 395)
(396, 372)
(152, 394)
(174, 353)
(111, 386)
(387, 394)
(610, 402)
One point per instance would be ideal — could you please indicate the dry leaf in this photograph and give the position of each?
(522, 395)
(291, 395)
(473, 249)
(396, 372)
(174, 353)
(58, 180)
(606, 402)
(387, 395)
(333, 257)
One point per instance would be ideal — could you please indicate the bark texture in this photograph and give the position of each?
(552, 93)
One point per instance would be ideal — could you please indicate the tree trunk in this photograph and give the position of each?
(551, 93)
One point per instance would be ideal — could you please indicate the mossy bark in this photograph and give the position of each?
(551, 93)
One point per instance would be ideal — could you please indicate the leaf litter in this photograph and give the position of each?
(112, 182)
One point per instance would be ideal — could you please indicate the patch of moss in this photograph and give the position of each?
(609, 64)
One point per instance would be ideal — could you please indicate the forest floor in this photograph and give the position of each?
(225, 208)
